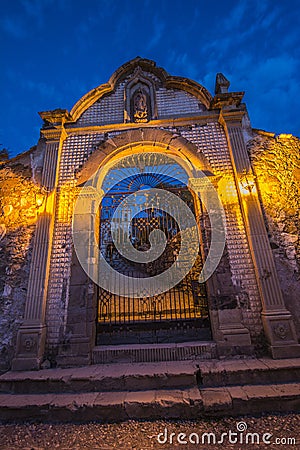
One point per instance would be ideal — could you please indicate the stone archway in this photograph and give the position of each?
(83, 298)
(138, 140)
(157, 311)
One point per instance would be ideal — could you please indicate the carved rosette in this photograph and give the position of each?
(280, 330)
(29, 343)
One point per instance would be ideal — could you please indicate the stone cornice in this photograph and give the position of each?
(231, 117)
(171, 122)
(190, 86)
(227, 99)
(51, 134)
(55, 117)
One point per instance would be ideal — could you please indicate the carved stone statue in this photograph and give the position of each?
(140, 109)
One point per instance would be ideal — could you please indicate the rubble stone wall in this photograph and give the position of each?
(18, 214)
(276, 162)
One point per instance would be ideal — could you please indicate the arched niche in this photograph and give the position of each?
(140, 100)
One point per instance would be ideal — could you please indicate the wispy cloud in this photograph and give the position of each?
(278, 69)
(183, 64)
(158, 30)
(45, 90)
(29, 14)
(235, 16)
(34, 87)
(35, 9)
(14, 26)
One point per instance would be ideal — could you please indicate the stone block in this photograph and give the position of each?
(141, 404)
(215, 400)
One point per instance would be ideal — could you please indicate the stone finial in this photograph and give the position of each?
(222, 84)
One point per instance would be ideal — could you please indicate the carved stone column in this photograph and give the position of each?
(31, 336)
(277, 320)
(226, 321)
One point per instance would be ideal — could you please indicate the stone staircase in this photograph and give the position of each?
(169, 389)
(154, 352)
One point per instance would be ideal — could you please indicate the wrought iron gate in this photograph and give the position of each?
(178, 315)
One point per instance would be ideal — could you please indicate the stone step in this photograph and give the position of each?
(102, 378)
(251, 399)
(116, 406)
(183, 389)
(107, 354)
(148, 376)
(247, 371)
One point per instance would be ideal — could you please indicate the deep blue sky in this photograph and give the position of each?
(53, 52)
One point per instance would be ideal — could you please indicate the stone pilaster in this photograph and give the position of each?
(277, 320)
(32, 333)
(80, 326)
(228, 329)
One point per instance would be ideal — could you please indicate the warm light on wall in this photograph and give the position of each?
(65, 202)
(39, 200)
(227, 190)
(40, 197)
(247, 184)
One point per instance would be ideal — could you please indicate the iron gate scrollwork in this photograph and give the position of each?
(178, 315)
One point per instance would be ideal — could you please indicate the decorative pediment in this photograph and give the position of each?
(138, 67)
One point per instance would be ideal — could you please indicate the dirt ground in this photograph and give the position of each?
(272, 432)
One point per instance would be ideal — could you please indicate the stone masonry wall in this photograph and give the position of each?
(211, 141)
(18, 214)
(276, 162)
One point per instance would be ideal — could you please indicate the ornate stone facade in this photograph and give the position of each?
(144, 107)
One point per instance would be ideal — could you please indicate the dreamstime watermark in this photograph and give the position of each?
(85, 231)
(239, 436)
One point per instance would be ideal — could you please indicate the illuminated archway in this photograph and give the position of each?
(179, 311)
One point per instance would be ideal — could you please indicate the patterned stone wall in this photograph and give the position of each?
(276, 162)
(210, 139)
(76, 150)
(109, 109)
(18, 210)
(174, 103)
